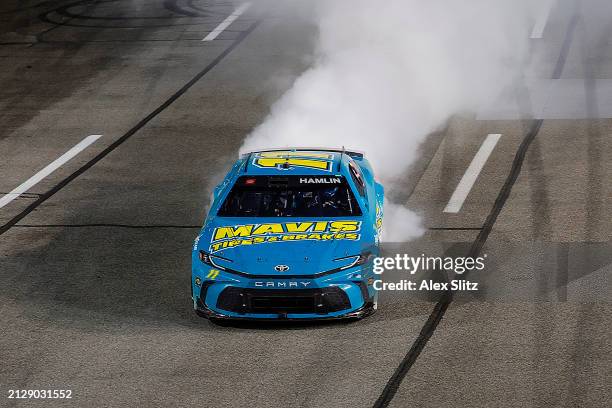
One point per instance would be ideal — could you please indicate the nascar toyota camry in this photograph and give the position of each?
(290, 234)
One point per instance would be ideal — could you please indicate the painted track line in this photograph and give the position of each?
(227, 22)
(540, 25)
(446, 298)
(50, 168)
(471, 174)
(438, 312)
(44, 197)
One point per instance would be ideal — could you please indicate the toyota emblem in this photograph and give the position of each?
(281, 268)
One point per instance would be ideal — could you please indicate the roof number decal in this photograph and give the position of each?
(288, 160)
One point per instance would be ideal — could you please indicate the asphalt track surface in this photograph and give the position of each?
(95, 264)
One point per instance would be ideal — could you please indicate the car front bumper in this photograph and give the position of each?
(344, 295)
(366, 310)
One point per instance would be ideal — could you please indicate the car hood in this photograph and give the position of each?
(257, 248)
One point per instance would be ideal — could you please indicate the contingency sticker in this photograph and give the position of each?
(249, 234)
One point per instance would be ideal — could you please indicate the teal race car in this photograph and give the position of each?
(291, 234)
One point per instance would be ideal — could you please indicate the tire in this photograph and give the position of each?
(200, 314)
(220, 322)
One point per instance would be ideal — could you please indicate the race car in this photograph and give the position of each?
(291, 234)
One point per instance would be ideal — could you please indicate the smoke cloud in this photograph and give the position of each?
(388, 74)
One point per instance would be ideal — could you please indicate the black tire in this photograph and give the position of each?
(220, 322)
(200, 313)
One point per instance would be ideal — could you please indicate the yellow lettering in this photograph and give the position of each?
(344, 226)
(294, 161)
(231, 232)
(298, 226)
(320, 226)
(268, 229)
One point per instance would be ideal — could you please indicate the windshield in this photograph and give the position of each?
(290, 196)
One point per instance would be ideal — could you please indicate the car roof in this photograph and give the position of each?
(296, 161)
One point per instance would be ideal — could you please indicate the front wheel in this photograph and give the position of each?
(200, 313)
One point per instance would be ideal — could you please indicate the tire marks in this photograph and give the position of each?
(45, 196)
(446, 298)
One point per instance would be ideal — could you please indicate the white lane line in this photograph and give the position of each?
(54, 165)
(540, 25)
(227, 22)
(471, 174)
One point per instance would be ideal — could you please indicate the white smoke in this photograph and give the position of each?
(400, 224)
(389, 73)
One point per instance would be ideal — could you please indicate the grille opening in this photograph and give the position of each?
(277, 301)
(282, 304)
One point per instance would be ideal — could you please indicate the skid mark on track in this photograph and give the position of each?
(4, 228)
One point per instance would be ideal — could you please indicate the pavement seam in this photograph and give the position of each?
(446, 298)
(44, 197)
